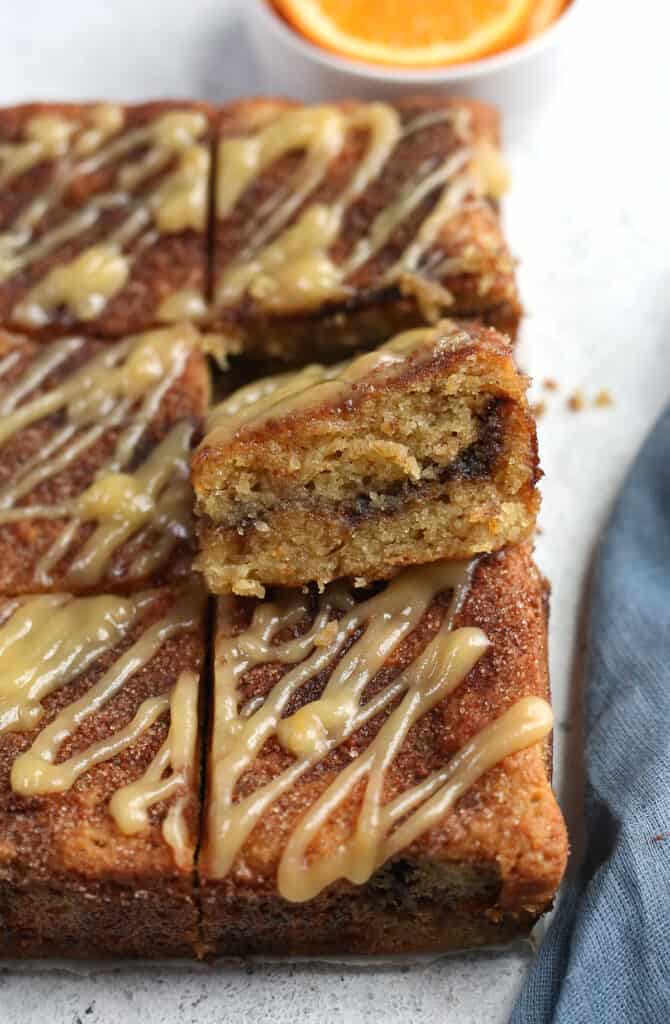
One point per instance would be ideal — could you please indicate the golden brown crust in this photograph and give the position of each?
(162, 266)
(71, 884)
(23, 544)
(442, 350)
(478, 274)
(367, 923)
(490, 867)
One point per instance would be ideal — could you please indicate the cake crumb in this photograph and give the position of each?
(248, 588)
(538, 409)
(549, 384)
(576, 401)
(603, 399)
(219, 347)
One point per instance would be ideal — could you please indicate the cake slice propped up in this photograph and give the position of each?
(423, 449)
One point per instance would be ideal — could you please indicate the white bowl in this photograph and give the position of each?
(516, 80)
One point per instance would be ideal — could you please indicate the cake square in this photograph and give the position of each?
(95, 441)
(103, 216)
(99, 773)
(378, 770)
(423, 449)
(341, 224)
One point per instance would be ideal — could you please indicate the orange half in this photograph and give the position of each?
(544, 13)
(411, 33)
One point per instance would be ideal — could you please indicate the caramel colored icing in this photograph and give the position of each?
(50, 639)
(352, 642)
(84, 285)
(286, 263)
(490, 169)
(315, 386)
(187, 304)
(46, 642)
(121, 388)
(130, 805)
(163, 190)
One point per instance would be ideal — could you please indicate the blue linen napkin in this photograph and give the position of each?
(606, 956)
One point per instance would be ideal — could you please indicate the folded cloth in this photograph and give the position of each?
(606, 956)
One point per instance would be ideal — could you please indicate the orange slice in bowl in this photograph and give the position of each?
(410, 33)
(545, 12)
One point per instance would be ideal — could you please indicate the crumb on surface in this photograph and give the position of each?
(603, 399)
(539, 409)
(576, 401)
(549, 384)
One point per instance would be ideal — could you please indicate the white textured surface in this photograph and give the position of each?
(590, 216)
